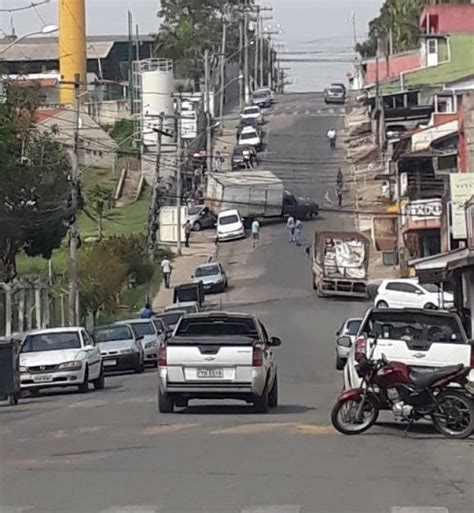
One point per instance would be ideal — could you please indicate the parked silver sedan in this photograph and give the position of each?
(212, 276)
(120, 348)
(146, 330)
(345, 337)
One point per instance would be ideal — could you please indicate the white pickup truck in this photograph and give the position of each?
(422, 339)
(218, 355)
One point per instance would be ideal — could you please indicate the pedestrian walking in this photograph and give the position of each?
(298, 231)
(339, 189)
(146, 312)
(290, 225)
(340, 178)
(166, 269)
(255, 232)
(188, 228)
(332, 134)
(217, 164)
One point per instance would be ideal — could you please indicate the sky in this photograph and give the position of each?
(322, 26)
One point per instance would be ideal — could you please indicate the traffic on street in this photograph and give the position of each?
(279, 355)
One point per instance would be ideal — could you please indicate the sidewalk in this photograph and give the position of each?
(225, 143)
(202, 249)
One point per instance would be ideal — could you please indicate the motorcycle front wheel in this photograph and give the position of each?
(455, 416)
(344, 413)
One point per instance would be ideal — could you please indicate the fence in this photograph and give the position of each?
(29, 305)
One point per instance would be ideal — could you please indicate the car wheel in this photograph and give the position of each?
(140, 367)
(430, 306)
(308, 216)
(165, 403)
(197, 226)
(261, 402)
(273, 395)
(340, 363)
(99, 383)
(382, 304)
(313, 282)
(84, 387)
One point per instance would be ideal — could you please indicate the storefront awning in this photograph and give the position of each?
(438, 268)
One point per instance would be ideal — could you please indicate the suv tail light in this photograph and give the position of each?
(162, 361)
(360, 348)
(257, 357)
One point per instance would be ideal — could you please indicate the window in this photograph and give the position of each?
(88, 341)
(264, 331)
(142, 328)
(51, 342)
(209, 270)
(220, 327)
(432, 46)
(410, 289)
(111, 334)
(353, 327)
(228, 219)
(395, 286)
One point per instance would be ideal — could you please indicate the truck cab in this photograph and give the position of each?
(299, 207)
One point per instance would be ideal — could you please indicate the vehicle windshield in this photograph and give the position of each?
(217, 327)
(111, 334)
(51, 342)
(248, 135)
(353, 327)
(171, 318)
(430, 287)
(194, 211)
(228, 219)
(252, 110)
(336, 90)
(260, 95)
(209, 270)
(142, 328)
(413, 327)
(160, 325)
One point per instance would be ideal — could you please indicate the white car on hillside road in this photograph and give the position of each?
(230, 226)
(253, 112)
(250, 137)
(408, 293)
(60, 357)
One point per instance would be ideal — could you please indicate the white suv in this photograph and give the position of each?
(408, 293)
(218, 355)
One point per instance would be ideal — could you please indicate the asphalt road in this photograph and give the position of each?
(111, 451)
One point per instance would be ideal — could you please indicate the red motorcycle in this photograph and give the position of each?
(410, 394)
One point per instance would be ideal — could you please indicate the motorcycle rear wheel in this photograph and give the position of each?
(458, 423)
(343, 415)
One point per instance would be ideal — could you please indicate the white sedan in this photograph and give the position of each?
(253, 112)
(250, 137)
(60, 357)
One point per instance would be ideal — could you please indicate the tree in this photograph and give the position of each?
(100, 199)
(101, 279)
(402, 18)
(35, 187)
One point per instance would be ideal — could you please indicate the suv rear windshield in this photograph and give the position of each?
(218, 327)
(414, 327)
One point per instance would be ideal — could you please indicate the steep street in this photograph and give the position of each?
(113, 452)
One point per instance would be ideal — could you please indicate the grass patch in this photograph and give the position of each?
(122, 133)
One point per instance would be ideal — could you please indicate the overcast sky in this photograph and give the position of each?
(307, 25)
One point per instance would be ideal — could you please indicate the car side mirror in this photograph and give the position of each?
(344, 341)
(275, 341)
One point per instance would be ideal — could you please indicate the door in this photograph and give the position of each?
(432, 52)
(93, 357)
(413, 296)
(394, 294)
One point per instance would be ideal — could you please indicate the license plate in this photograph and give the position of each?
(110, 363)
(44, 378)
(210, 373)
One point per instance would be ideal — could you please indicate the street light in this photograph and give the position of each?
(47, 29)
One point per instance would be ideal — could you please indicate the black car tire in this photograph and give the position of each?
(260, 403)
(99, 383)
(165, 402)
(382, 304)
(84, 387)
(197, 226)
(340, 363)
(273, 395)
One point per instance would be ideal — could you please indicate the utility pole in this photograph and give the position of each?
(154, 212)
(179, 181)
(222, 94)
(257, 46)
(207, 109)
(241, 59)
(246, 60)
(270, 63)
(262, 50)
(73, 317)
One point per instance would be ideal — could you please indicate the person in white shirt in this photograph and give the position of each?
(166, 269)
(255, 232)
(290, 225)
(298, 231)
(332, 138)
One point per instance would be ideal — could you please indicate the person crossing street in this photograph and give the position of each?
(255, 232)
(332, 135)
(290, 226)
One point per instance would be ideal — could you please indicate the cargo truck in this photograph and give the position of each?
(340, 263)
(256, 194)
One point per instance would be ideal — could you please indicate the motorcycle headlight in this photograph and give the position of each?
(23, 369)
(75, 365)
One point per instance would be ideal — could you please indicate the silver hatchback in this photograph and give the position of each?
(212, 276)
(345, 337)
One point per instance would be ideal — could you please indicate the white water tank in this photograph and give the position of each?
(157, 87)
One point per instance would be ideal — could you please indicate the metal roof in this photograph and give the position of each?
(244, 179)
(47, 48)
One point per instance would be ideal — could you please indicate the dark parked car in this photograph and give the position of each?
(201, 217)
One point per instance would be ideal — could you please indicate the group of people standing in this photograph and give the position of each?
(295, 230)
